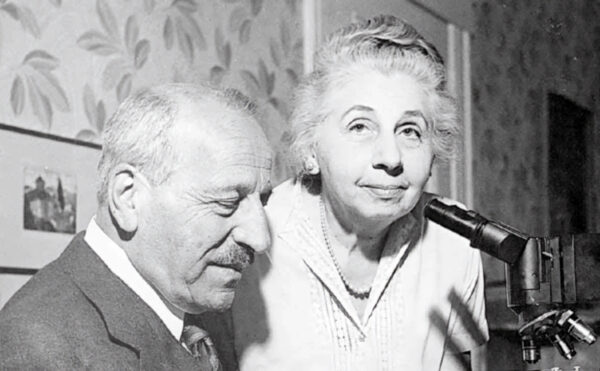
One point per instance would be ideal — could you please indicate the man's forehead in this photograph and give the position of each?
(218, 128)
(243, 178)
(216, 122)
(223, 146)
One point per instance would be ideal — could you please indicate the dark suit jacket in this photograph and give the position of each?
(76, 314)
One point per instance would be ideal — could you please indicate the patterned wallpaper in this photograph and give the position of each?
(521, 51)
(66, 64)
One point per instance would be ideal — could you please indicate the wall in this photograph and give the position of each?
(520, 52)
(66, 64)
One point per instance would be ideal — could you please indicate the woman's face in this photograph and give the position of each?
(374, 149)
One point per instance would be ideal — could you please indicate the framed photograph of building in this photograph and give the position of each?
(47, 194)
(49, 200)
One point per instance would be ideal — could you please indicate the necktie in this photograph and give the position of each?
(201, 346)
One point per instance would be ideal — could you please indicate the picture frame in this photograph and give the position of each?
(67, 207)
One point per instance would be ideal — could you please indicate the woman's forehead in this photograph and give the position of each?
(357, 71)
(371, 88)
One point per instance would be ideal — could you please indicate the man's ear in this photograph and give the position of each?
(123, 197)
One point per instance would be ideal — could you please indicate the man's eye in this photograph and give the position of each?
(228, 207)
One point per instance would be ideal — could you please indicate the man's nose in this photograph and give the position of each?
(252, 229)
(387, 155)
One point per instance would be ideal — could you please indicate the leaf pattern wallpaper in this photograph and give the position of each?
(66, 64)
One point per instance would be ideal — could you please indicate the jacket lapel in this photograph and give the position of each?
(128, 319)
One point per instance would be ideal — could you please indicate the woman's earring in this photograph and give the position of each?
(311, 167)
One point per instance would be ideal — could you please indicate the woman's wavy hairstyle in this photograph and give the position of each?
(388, 45)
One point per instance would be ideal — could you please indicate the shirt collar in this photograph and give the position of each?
(118, 262)
(303, 233)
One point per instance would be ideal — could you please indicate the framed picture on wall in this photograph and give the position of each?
(49, 200)
(47, 194)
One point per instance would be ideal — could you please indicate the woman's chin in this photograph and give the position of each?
(385, 210)
(382, 214)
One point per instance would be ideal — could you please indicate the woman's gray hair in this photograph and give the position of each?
(138, 132)
(388, 45)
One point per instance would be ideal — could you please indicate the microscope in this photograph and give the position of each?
(545, 277)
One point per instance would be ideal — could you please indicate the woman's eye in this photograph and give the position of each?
(358, 127)
(410, 132)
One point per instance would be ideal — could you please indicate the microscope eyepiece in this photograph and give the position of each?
(453, 218)
(498, 240)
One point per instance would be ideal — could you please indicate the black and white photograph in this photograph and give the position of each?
(315, 185)
(49, 201)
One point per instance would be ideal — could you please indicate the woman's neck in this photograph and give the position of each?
(357, 235)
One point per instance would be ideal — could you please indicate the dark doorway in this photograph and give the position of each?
(568, 165)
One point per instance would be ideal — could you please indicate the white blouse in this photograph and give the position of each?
(292, 311)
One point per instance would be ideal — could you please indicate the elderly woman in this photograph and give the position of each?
(356, 278)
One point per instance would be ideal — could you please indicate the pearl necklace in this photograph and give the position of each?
(353, 291)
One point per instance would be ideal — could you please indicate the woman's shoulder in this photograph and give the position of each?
(281, 196)
(283, 200)
(291, 210)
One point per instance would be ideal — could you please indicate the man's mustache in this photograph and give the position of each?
(234, 256)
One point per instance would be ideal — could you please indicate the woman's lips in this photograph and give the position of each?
(385, 191)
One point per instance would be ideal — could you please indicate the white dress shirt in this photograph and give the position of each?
(118, 262)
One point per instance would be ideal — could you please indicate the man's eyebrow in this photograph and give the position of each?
(213, 191)
(228, 189)
(358, 107)
(241, 189)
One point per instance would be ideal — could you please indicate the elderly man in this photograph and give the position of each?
(179, 217)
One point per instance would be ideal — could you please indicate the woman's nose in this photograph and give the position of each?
(387, 155)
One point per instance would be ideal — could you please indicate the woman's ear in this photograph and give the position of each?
(122, 200)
